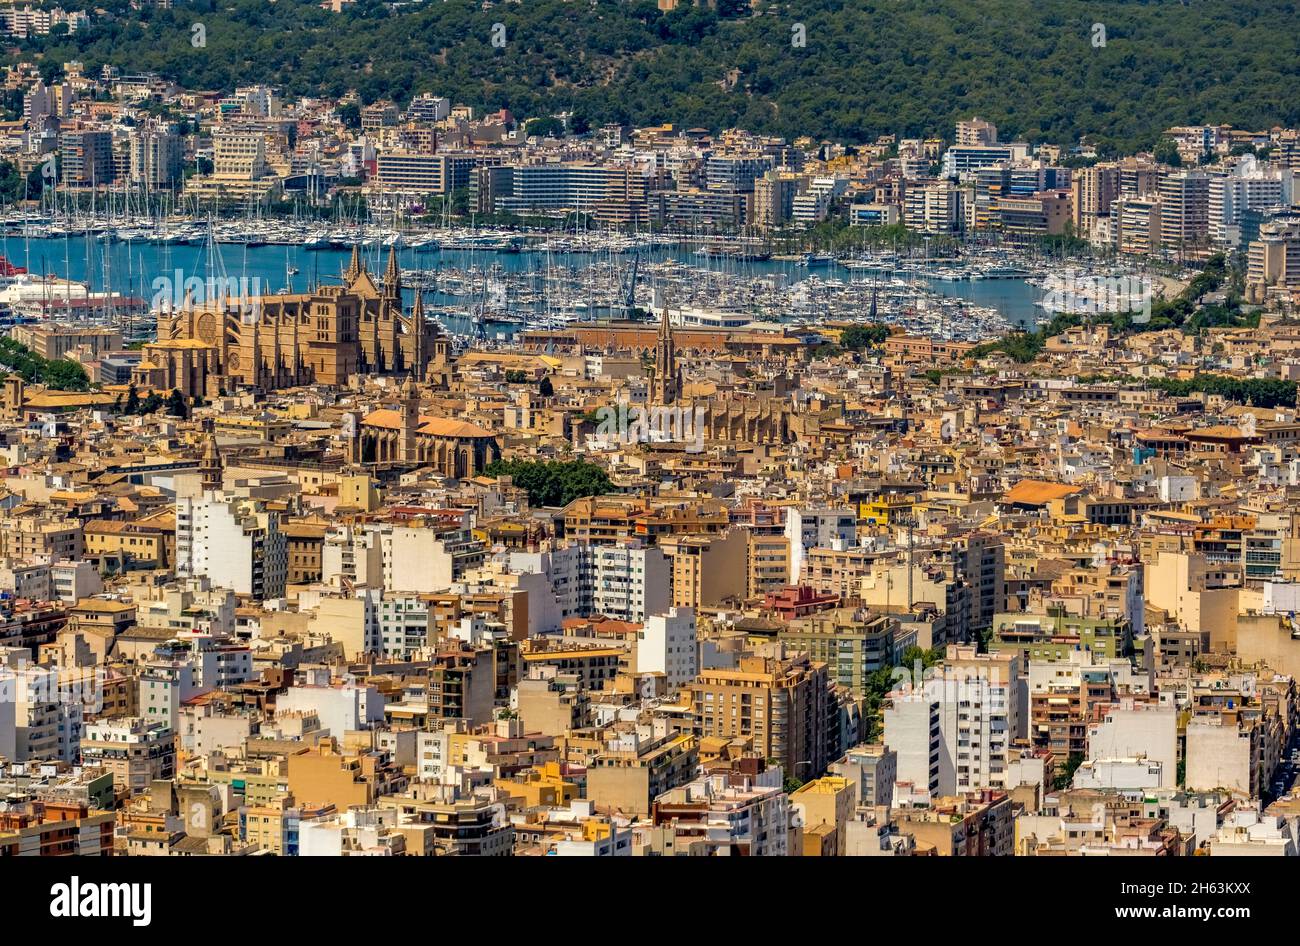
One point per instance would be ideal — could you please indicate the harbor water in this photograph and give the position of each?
(133, 269)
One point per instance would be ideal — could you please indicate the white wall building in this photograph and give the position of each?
(1138, 731)
(817, 527)
(342, 708)
(235, 542)
(668, 645)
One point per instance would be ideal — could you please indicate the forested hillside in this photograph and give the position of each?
(868, 67)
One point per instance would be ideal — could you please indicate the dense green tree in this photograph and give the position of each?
(1262, 392)
(350, 114)
(858, 337)
(59, 374)
(176, 406)
(554, 483)
(544, 127)
(64, 375)
(1166, 152)
(1029, 68)
(1065, 777)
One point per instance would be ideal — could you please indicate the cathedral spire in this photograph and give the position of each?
(667, 375)
(356, 267)
(417, 326)
(392, 276)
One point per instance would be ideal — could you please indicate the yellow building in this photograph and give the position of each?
(708, 571)
(540, 787)
(129, 542)
(629, 780)
(886, 509)
(823, 806)
(324, 776)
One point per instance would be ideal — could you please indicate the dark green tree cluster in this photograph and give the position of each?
(1184, 311)
(554, 483)
(136, 405)
(1065, 778)
(176, 405)
(1024, 347)
(59, 374)
(1029, 67)
(1262, 392)
(14, 185)
(858, 337)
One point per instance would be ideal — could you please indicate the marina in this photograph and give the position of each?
(491, 284)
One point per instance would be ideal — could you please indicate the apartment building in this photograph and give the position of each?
(136, 750)
(1136, 224)
(668, 645)
(1138, 730)
(955, 730)
(809, 527)
(232, 541)
(1185, 211)
(1234, 196)
(156, 155)
(719, 815)
(1273, 261)
(1093, 190)
(632, 771)
(854, 643)
(86, 158)
(784, 704)
(708, 571)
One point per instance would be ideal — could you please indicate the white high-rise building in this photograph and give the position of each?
(954, 733)
(234, 542)
(631, 582)
(913, 733)
(1244, 189)
(626, 582)
(668, 645)
(826, 527)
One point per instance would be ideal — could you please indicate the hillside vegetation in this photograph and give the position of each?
(868, 67)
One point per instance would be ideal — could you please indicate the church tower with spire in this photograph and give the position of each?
(406, 444)
(210, 469)
(667, 385)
